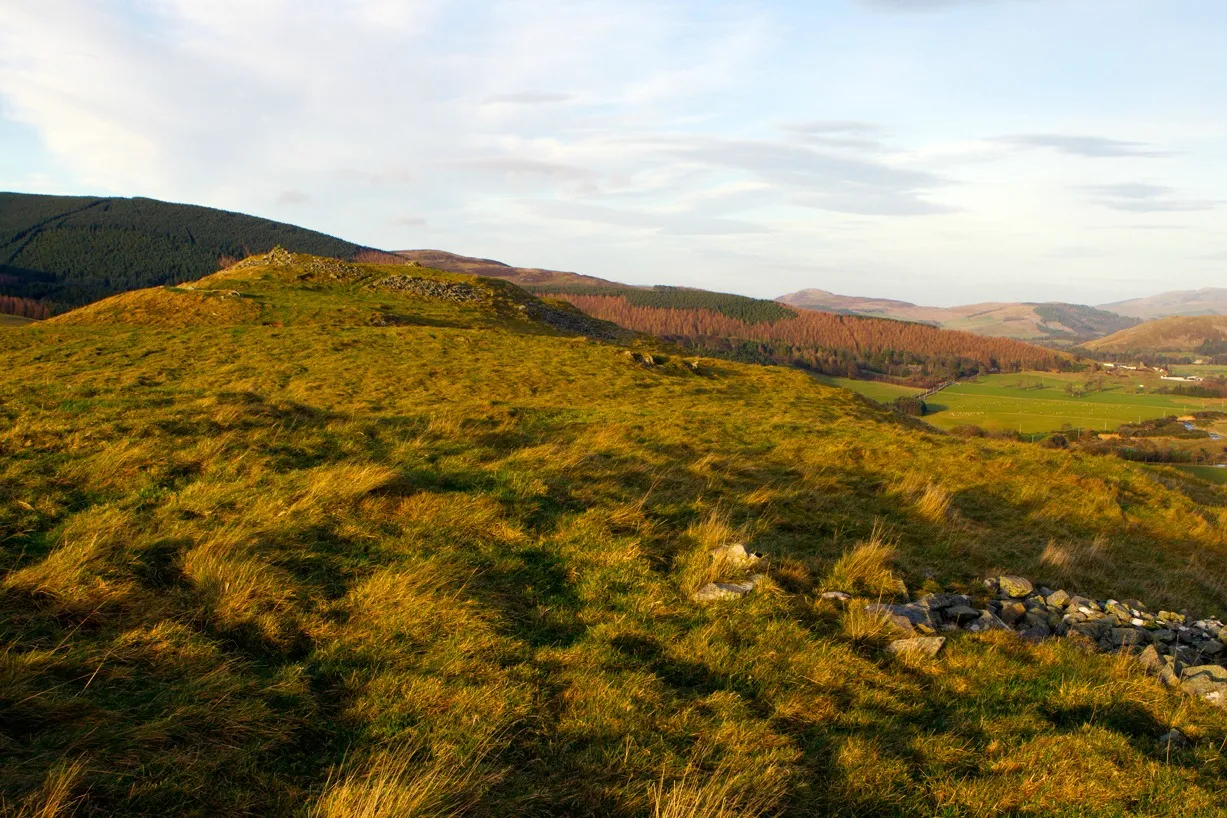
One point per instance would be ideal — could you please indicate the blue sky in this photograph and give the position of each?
(938, 151)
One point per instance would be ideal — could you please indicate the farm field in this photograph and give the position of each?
(1204, 370)
(1215, 474)
(1034, 403)
(880, 391)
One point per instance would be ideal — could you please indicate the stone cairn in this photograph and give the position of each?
(1182, 653)
(1186, 654)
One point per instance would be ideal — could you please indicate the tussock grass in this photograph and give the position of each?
(298, 563)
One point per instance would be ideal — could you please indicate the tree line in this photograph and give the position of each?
(25, 307)
(842, 345)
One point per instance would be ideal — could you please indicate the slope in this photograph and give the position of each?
(1204, 334)
(71, 250)
(1207, 301)
(833, 344)
(1049, 321)
(400, 548)
(524, 276)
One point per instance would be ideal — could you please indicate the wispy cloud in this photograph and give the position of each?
(529, 98)
(1096, 147)
(1137, 197)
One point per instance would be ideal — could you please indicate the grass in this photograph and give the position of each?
(1212, 473)
(283, 560)
(880, 391)
(13, 320)
(997, 403)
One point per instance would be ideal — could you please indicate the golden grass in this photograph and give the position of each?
(400, 784)
(865, 569)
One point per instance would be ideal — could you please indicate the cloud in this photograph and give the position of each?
(407, 221)
(1138, 197)
(292, 197)
(1091, 146)
(528, 98)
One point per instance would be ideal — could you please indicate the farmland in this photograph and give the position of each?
(881, 391)
(1038, 402)
(1215, 474)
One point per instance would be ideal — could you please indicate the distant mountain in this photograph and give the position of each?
(71, 250)
(524, 276)
(1204, 334)
(1206, 301)
(1051, 321)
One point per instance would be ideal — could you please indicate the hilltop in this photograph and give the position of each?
(71, 250)
(1045, 322)
(1205, 334)
(1206, 301)
(317, 538)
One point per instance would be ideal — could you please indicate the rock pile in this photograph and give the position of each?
(1181, 652)
(735, 560)
(429, 288)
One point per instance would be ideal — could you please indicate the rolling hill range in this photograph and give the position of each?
(1203, 334)
(317, 538)
(70, 250)
(1046, 322)
(1207, 301)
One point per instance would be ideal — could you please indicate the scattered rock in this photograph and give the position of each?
(836, 596)
(1173, 740)
(917, 646)
(962, 614)
(1058, 599)
(1011, 612)
(429, 288)
(714, 591)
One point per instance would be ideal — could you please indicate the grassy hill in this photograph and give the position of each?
(314, 538)
(1190, 334)
(71, 250)
(1206, 301)
(1049, 322)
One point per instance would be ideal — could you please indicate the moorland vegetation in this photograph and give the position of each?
(295, 541)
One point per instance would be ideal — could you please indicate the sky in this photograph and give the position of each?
(935, 151)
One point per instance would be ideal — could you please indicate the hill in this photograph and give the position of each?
(1204, 334)
(328, 539)
(70, 250)
(1050, 321)
(1207, 301)
(833, 344)
(524, 276)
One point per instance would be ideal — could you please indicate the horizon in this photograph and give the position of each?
(931, 151)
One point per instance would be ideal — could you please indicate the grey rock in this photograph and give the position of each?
(987, 622)
(1151, 660)
(897, 619)
(1084, 604)
(836, 596)
(1035, 634)
(1011, 612)
(940, 602)
(715, 591)
(917, 646)
(1127, 637)
(1058, 598)
(962, 614)
(1173, 740)
(1207, 681)
(1016, 587)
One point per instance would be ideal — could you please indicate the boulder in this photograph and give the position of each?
(1128, 637)
(917, 646)
(1015, 587)
(1151, 660)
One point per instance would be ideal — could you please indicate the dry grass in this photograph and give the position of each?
(232, 556)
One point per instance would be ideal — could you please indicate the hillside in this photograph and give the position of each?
(1204, 334)
(833, 344)
(70, 250)
(328, 539)
(1207, 301)
(1051, 321)
(524, 276)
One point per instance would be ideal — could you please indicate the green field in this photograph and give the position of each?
(1205, 370)
(996, 402)
(1214, 474)
(880, 391)
(12, 320)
